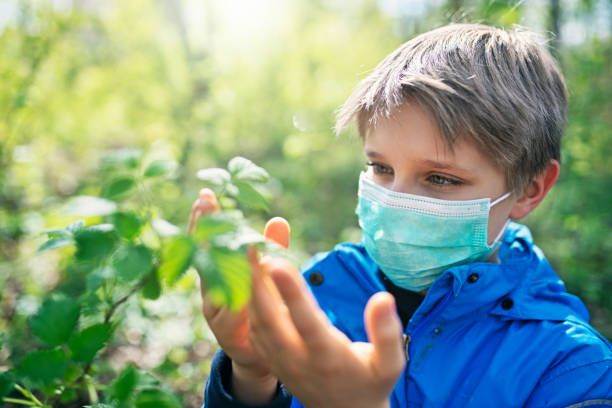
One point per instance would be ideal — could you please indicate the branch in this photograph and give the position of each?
(119, 302)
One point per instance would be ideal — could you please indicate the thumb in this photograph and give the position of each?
(385, 333)
(278, 230)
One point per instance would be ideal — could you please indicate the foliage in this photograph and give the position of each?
(123, 256)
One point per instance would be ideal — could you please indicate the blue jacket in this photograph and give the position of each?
(486, 335)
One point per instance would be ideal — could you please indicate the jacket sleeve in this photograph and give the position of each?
(217, 392)
(586, 386)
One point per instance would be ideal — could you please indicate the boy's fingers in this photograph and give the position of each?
(305, 313)
(385, 333)
(278, 230)
(205, 204)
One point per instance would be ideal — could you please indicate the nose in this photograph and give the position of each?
(400, 185)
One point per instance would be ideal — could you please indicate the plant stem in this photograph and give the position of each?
(28, 394)
(119, 302)
(91, 390)
(84, 377)
(21, 402)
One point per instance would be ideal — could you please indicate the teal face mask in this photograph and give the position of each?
(413, 239)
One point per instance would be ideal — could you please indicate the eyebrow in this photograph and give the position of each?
(444, 165)
(425, 162)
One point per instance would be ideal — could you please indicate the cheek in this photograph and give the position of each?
(497, 219)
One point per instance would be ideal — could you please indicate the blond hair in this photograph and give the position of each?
(502, 88)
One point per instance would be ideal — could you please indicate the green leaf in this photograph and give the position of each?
(95, 242)
(119, 187)
(75, 226)
(176, 258)
(98, 276)
(245, 170)
(215, 176)
(68, 395)
(125, 384)
(127, 158)
(237, 240)
(91, 304)
(226, 275)
(7, 381)
(57, 233)
(88, 342)
(128, 224)
(156, 398)
(100, 405)
(87, 206)
(160, 168)
(214, 224)
(248, 196)
(55, 320)
(152, 288)
(132, 262)
(164, 228)
(42, 367)
(55, 243)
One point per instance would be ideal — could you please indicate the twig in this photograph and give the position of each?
(107, 318)
(118, 303)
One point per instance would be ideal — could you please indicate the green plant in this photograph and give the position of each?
(120, 250)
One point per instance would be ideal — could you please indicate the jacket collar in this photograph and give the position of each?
(523, 276)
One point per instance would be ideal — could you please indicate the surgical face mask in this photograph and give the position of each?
(413, 239)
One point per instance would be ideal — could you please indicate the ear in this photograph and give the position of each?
(534, 192)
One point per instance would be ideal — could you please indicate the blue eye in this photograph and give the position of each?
(379, 169)
(440, 180)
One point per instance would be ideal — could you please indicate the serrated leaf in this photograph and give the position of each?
(75, 226)
(231, 189)
(176, 258)
(95, 242)
(57, 233)
(214, 224)
(245, 170)
(98, 276)
(119, 187)
(91, 304)
(55, 243)
(226, 276)
(155, 398)
(160, 168)
(164, 228)
(248, 196)
(152, 288)
(87, 206)
(55, 320)
(42, 367)
(215, 176)
(132, 262)
(88, 342)
(128, 224)
(125, 384)
(128, 158)
(238, 239)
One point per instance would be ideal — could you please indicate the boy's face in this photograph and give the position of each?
(408, 155)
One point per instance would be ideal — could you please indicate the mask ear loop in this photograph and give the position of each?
(500, 199)
(501, 232)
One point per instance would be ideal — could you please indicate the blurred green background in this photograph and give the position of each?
(203, 81)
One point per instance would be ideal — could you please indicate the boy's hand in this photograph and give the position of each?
(314, 360)
(252, 381)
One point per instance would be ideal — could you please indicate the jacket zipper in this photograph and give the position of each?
(431, 316)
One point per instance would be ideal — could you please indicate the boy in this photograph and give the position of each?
(461, 128)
